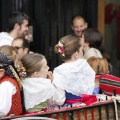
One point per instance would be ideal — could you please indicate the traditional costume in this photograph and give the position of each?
(36, 92)
(75, 78)
(10, 87)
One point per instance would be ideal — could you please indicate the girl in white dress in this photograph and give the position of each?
(74, 77)
(37, 85)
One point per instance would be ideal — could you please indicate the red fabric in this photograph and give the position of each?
(73, 100)
(16, 107)
(108, 83)
(109, 13)
(87, 99)
(97, 76)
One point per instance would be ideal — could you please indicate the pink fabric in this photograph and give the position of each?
(87, 99)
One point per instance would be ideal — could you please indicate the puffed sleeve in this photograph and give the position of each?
(7, 89)
(58, 98)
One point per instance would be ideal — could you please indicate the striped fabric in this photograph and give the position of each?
(109, 83)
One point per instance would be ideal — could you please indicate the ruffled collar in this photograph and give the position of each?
(37, 90)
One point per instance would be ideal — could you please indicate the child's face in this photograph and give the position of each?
(44, 69)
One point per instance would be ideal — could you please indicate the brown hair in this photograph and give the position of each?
(99, 65)
(93, 37)
(25, 43)
(9, 51)
(32, 62)
(71, 44)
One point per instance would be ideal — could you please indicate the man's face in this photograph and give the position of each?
(18, 45)
(79, 25)
(24, 29)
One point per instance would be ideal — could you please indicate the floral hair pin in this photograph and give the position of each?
(61, 49)
(21, 70)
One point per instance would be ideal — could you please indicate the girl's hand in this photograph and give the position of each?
(50, 75)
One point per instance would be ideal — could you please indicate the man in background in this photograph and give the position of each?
(78, 25)
(22, 45)
(18, 26)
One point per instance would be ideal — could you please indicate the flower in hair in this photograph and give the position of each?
(21, 70)
(61, 49)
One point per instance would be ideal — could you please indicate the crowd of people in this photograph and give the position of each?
(27, 85)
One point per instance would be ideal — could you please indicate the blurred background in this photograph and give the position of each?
(51, 20)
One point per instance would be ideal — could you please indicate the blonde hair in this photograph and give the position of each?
(99, 65)
(32, 63)
(9, 51)
(71, 44)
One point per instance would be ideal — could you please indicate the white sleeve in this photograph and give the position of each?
(58, 98)
(5, 42)
(89, 76)
(7, 89)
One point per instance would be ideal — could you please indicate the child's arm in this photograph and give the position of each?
(58, 98)
(7, 89)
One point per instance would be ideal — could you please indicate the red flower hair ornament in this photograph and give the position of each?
(61, 49)
(21, 70)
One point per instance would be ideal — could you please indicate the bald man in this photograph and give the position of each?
(78, 25)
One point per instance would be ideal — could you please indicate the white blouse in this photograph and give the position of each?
(58, 98)
(7, 90)
(92, 52)
(76, 77)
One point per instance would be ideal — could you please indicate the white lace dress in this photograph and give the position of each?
(76, 77)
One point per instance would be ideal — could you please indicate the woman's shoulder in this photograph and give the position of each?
(92, 52)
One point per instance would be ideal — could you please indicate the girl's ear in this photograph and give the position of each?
(35, 74)
(76, 54)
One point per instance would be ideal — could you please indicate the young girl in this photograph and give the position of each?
(100, 66)
(11, 53)
(10, 84)
(37, 85)
(74, 77)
